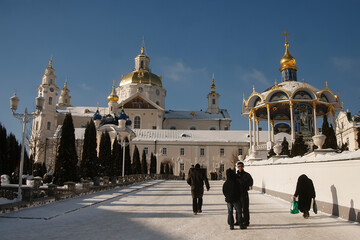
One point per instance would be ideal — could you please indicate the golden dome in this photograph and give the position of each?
(141, 76)
(287, 61)
(113, 97)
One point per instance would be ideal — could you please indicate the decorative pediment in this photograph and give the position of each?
(139, 102)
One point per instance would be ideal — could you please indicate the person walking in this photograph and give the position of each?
(305, 191)
(196, 180)
(245, 181)
(232, 193)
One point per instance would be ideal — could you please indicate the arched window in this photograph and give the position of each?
(212, 128)
(141, 64)
(50, 100)
(193, 128)
(172, 128)
(48, 126)
(137, 122)
(213, 101)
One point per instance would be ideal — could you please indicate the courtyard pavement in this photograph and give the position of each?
(162, 210)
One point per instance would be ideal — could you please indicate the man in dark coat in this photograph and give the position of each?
(305, 191)
(232, 193)
(245, 181)
(196, 179)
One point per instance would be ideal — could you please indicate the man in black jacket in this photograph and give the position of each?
(232, 193)
(245, 180)
(196, 179)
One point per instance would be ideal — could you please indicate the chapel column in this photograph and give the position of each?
(254, 128)
(315, 122)
(272, 131)
(250, 134)
(268, 115)
(292, 122)
(257, 131)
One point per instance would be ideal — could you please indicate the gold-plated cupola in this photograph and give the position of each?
(287, 61)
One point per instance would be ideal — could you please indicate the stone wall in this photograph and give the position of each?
(336, 183)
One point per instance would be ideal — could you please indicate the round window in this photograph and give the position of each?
(51, 90)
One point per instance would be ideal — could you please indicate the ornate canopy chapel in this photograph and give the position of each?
(290, 106)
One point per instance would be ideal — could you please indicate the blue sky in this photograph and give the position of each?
(94, 42)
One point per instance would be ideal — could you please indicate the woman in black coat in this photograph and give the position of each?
(196, 179)
(305, 191)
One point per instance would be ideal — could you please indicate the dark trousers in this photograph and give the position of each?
(244, 199)
(231, 206)
(197, 204)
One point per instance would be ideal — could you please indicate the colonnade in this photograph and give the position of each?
(254, 136)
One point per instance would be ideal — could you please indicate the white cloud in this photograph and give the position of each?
(255, 76)
(346, 63)
(85, 87)
(179, 71)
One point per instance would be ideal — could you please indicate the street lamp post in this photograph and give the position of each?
(24, 118)
(123, 132)
(124, 145)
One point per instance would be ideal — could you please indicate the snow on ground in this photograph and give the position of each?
(320, 157)
(162, 210)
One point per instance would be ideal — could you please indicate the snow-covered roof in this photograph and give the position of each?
(81, 111)
(183, 114)
(199, 135)
(290, 86)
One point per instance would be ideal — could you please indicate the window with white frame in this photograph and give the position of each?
(182, 168)
(240, 151)
(182, 151)
(222, 151)
(164, 151)
(137, 122)
(202, 151)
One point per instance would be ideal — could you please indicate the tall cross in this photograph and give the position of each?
(286, 35)
(97, 105)
(113, 83)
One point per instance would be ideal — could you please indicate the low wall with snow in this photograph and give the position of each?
(336, 178)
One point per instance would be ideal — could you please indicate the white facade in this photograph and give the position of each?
(347, 130)
(142, 96)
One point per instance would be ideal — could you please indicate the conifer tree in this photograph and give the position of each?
(88, 164)
(331, 139)
(144, 166)
(117, 158)
(13, 155)
(162, 170)
(105, 155)
(326, 131)
(136, 165)
(66, 161)
(285, 148)
(152, 164)
(3, 150)
(299, 147)
(127, 159)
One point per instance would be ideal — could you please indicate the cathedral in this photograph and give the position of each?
(142, 97)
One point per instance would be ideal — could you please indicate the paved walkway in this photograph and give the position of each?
(162, 210)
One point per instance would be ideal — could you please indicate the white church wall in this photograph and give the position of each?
(335, 182)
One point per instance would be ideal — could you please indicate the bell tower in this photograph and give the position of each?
(213, 99)
(64, 98)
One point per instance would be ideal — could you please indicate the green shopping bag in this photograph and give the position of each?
(294, 208)
(314, 206)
